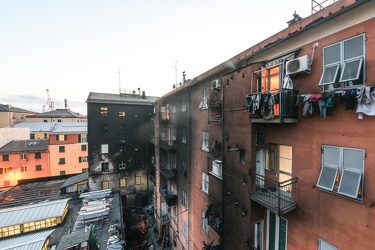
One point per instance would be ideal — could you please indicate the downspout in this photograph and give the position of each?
(189, 164)
(223, 162)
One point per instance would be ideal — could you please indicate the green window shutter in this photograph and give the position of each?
(272, 232)
(282, 233)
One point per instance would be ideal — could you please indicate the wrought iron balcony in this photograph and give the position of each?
(285, 109)
(275, 196)
(170, 199)
(170, 145)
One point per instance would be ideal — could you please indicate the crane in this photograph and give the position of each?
(51, 104)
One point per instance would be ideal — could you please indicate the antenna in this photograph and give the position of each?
(317, 5)
(175, 68)
(119, 80)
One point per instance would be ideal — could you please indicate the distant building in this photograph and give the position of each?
(10, 115)
(57, 115)
(119, 128)
(8, 134)
(23, 159)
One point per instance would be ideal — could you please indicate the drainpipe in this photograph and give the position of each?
(189, 164)
(223, 163)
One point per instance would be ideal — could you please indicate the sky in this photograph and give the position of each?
(74, 47)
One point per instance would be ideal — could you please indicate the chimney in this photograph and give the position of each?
(66, 103)
(143, 95)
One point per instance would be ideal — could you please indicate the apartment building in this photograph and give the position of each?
(10, 115)
(293, 119)
(119, 130)
(57, 115)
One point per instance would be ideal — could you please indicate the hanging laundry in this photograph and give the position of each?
(349, 97)
(287, 83)
(366, 102)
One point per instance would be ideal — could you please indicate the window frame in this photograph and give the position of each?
(205, 226)
(5, 157)
(184, 135)
(205, 182)
(104, 111)
(38, 168)
(205, 141)
(337, 164)
(184, 198)
(204, 99)
(61, 149)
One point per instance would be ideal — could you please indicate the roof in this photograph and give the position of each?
(34, 212)
(119, 99)
(57, 113)
(74, 238)
(17, 146)
(75, 179)
(53, 127)
(27, 241)
(9, 108)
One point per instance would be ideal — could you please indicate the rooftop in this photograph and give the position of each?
(75, 179)
(133, 99)
(9, 108)
(57, 113)
(75, 238)
(53, 127)
(27, 241)
(18, 146)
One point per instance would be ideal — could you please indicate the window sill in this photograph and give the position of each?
(343, 196)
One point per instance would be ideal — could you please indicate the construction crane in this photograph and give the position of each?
(51, 104)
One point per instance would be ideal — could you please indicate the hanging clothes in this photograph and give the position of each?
(287, 83)
(349, 97)
(366, 102)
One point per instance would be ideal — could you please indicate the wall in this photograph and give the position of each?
(9, 134)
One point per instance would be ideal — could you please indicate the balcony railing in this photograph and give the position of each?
(163, 117)
(285, 109)
(152, 178)
(215, 109)
(170, 199)
(168, 173)
(275, 196)
(164, 218)
(168, 144)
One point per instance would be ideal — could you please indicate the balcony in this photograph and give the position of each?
(164, 218)
(169, 145)
(152, 179)
(216, 168)
(169, 173)
(284, 111)
(273, 195)
(164, 117)
(213, 214)
(215, 109)
(170, 199)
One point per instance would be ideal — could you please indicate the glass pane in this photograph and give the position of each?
(351, 70)
(329, 75)
(331, 54)
(327, 178)
(331, 156)
(353, 159)
(354, 47)
(349, 183)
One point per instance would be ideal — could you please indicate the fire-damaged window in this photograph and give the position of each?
(344, 64)
(105, 166)
(342, 171)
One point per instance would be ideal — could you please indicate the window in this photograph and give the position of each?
(184, 168)
(61, 137)
(5, 157)
(61, 149)
(82, 138)
(271, 160)
(82, 159)
(45, 136)
(123, 182)
(343, 63)
(32, 136)
(277, 231)
(174, 215)
(136, 129)
(121, 113)
(1, 170)
(61, 160)
(23, 157)
(104, 129)
(83, 147)
(45, 121)
(59, 120)
(105, 184)
(184, 229)
(323, 245)
(174, 107)
(270, 80)
(204, 222)
(138, 180)
(184, 201)
(38, 167)
(62, 172)
(122, 165)
(103, 111)
(342, 171)
(203, 103)
(38, 156)
(104, 149)
(205, 182)
(84, 170)
(184, 104)
(105, 166)
(121, 129)
(242, 156)
(205, 139)
(183, 135)
(121, 146)
(23, 169)
(174, 134)
(8, 170)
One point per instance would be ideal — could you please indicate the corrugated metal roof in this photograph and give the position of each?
(25, 146)
(35, 212)
(30, 241)
(57, 113)
(74, 238)
(75, 179)
(53, 127)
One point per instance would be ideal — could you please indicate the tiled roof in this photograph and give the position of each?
(9, 108)
(57, 113)
(27, 241)
(119, 99)
(25, 146)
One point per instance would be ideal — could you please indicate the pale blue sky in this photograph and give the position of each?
(73, 47)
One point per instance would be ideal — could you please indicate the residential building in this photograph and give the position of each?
(119, 126)
(57, 115)
(295, 137)
(9, 134)
(23, 159)
(10, 115)
(68, 149)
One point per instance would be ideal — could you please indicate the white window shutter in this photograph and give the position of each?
(327, 177)
(349, 183)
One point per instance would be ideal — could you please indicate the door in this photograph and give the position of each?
(276, 232)
(260, 165)
(285, 169)
(258, 238)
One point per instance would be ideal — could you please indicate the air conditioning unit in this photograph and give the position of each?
(298, 65)
(216, 84)
(217, 168)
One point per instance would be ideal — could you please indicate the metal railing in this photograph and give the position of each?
(274, 195)
(170, 199)
(168, 144)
